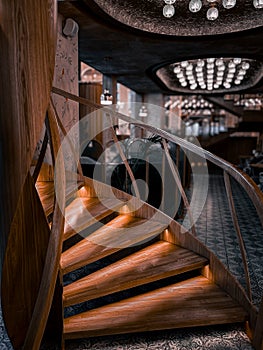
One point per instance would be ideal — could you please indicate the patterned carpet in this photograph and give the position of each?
(216, 230)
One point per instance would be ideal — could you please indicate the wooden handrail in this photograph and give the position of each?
(237, 228)
(243, 179)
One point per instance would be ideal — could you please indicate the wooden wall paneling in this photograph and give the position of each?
(51, 266)
(27, 54)
(24, 263)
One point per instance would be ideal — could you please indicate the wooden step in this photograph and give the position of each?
(160, 260)
(45, 191)
(194, 302)
(84, 212)
(121, 232)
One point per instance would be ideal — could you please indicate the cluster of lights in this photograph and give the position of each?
(211, 73)
(212, 12)
(250, 102)
(196, 106)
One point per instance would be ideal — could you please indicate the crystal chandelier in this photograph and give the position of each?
(211, 73)
(212, 12)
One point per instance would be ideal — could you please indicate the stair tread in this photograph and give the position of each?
(159, 260)
(46, 191)
(193, 302)
(84, 212)
(119, 233)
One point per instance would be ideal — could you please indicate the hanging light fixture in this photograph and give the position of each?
(106, 97)
(211, 73)
(212, 12)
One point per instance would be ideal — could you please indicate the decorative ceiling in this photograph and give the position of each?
(113, 29)
(148, 16)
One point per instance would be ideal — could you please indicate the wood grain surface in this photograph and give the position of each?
(157, 261)
(194, 302)
(24, 263)
(27, 55)
(119, 233)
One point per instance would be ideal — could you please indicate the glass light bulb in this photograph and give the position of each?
(169, 2)
(195, 5)
(237, 60)
(227, 85)
(177, 69)
(193, 86)
(242, 72)
(258, 4)
(198, 69)
(189, 67)
(228, 4)
(168, 11)
(184, 84)
(231, 64)
(210, 60)
(212, 14)
(221, 68)
(184, 64)
(180, 75)
(200, 63)
(216, 86)
(245, 65)
(219, 62)
(237, 81)
(203, 86)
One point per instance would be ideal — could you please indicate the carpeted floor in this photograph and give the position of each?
(216, 230)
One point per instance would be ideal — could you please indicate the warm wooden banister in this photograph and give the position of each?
(243, 179)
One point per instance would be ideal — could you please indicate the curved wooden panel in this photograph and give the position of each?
(24, 262)
(27, 55)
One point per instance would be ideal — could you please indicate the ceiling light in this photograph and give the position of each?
(212, 73)
(237, 60)
(195, 5)
(258, 4)
(168, 11)
(106, 98)
(228, 4)
(177, 69)
(245, 65)
(212, 13)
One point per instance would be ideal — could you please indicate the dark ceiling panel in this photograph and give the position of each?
(134, 55)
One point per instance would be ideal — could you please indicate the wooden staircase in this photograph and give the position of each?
(176, 292)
